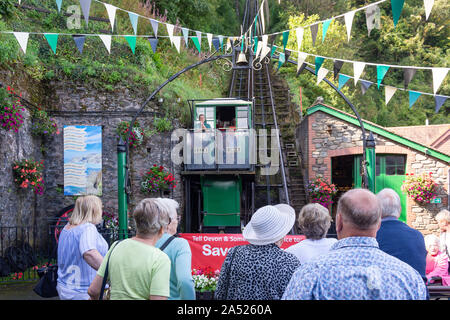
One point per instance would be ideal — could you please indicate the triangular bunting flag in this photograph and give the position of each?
(216, 43)
(321, 74)
(413, 96)
(314, 28)
(428, 6)
(153, 43)
(381, 72)
(358, 68)
(439, 101)
(438, 76)
(285, 39)
(273, 50)
(52, 39)
(281, 60)
(106, 41)
(301, 60)
(318, 63)
(155, 25)
(364, 86)
(59, 4)
(199, 37)
(258, 49)
(85, 7)
(342, 81)
(408, 74)
(337, 65)
(134, 20)
(186, 36)
(111, 14)
(388, 93)
(228, 43)
(170, 28)
(197, 44)
(348, 17)
(373, 18)
(264, 52)
(177, 42)
(255, 41)
(22, 38)
(300, 31)
(221, 42)
(209, 36)
(79, 42)
(397, 6)
(325, 26)
(132, 42)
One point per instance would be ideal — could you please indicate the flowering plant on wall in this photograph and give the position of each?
(205, 279)
(420, 188)
(111, 221)
(322, 192)
(157, 179)
(11, 111)
(136, 136)
(43, 124)
(28, 173)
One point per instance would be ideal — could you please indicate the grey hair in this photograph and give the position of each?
(170, 205)
(443, 215)
(360, 207)
(314, 220)
(390, 203)
(430, 239)
(150, 217)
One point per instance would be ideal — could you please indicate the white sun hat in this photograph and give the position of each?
(268, 225)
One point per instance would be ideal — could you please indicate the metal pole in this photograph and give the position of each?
(371, 162)
(122, 196)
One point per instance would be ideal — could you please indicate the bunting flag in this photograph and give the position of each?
(177, 42)
(439, 101)
(170, 28)
(428, 6)
(155, 25)
(106, 39)
(216, 44)
(373, 18)
(364, 86)
(337, 65)
(285, 39)
(264, 52)
(221, 42)
(348, 18)
(197, 44)
(397, 6)
(228, 43)
(132, 42)
(342, 81)
(438, 76)
(209, 36)
(281, 60)
(186, 36)
(79, 42)
(408, 74)
(59, 4)
(86, 8)
(318, 61)
(321, 74)
(358, 68)
(111, 14)
(22, 38)
(199, 37)
(325, 26)
(300, 31)
(255, 41)
(153, 43)
(300, 61)
(413, 96)
(388, 93)
(381, 72)
(52, 39)
(314, 28)
(134, 21)
(273, 51)
(300, 69)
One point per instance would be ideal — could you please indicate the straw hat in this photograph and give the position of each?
(268, 225)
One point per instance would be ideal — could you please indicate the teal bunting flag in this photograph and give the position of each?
(52, 39)
(273, 51)
(285, 39)
(413, 96)
(342, 81)
(281, 60)
(134, 21)
(318, 62)
(381, 72)
(186, 36)
(397, 6)
(325, 26)
(59, 4)
(256, 45)
(132, 42)
(197, 44)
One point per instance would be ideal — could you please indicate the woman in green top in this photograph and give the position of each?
(137, 269)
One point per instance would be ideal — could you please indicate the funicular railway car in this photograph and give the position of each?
(218, 165)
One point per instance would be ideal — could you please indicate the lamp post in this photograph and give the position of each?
(122, 196)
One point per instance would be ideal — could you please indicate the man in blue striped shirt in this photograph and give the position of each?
(355, 268)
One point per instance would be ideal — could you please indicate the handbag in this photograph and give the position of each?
(105, 277)
(46, 287)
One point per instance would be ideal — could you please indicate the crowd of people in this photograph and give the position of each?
(375, 255)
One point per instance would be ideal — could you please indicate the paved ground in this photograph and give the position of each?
(20, 291)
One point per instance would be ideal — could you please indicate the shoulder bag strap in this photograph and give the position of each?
(229, 273)
(105, 276)
(165, 244)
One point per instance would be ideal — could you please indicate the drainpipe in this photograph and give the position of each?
(122, 196)
(371, 162)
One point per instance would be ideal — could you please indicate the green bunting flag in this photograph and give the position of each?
(52, 39)
(285, 39)
(381, 72)
(196, 43)
(256, 44)
(397, 6)
(342, 81)
(273, 51)
(318, 62)
(325, 26)
(132, 42)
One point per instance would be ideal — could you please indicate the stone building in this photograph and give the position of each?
(331, 143)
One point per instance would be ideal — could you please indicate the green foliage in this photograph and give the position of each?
(162, 124)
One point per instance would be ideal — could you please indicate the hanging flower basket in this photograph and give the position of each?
(322, 192)
(136, 136)
(421, 188)
(28, 174)
(157, 179)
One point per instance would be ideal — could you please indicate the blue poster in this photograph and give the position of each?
(82, 160)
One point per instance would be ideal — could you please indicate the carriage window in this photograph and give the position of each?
(377, 166)
(395, 165)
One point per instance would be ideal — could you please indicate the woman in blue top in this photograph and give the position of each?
(80, 250)
(179, 252)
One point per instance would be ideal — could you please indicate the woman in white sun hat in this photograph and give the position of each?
(260, 270)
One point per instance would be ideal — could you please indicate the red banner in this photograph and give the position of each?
(210, 249)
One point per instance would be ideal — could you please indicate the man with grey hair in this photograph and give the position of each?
(355, 268)
(396, 237)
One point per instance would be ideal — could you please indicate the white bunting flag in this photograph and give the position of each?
(177, 42)
(170, 31)
(111, 14)
(428, 6)
(358, 68)
(301, 59)
(199, 37)
(22, 38)
(300, 32)
(438, 76)
(228, 43)
(348, 17)
(388, 93)
(264, 52)
(262, 18)
(321, 74)
(106, 41)
(209, 36)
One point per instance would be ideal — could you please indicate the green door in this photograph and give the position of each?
(390, 173)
